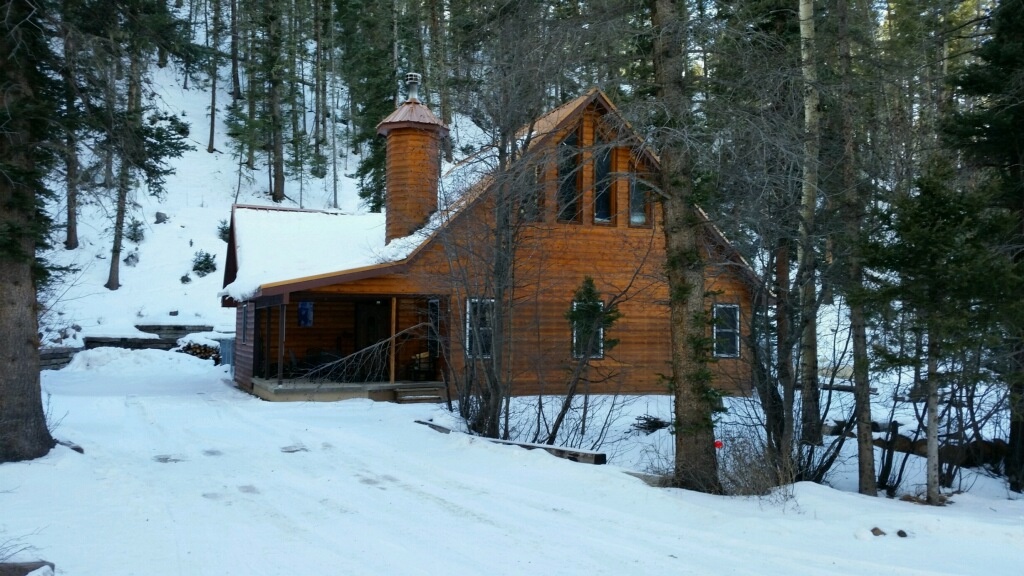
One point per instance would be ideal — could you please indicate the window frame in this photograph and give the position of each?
(719, 334)
(576, 352)
(470, 329)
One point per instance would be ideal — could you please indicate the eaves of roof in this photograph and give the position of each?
(340, 277)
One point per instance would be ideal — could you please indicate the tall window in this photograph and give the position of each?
(603, 183)
(726, 330)
(531, 200)
(588, 329)
(568, 179)
(479, 327)
(639, 202)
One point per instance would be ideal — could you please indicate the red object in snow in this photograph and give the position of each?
(719, 444)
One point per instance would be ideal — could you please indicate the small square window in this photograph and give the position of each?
(479, 327)
(305, 314)
(726, 330)
(588, 330)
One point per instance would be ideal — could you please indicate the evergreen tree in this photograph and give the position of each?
(696, 463)
(141, 137)
(369, 68)
(939, 261)
(27, 107)
(990, 133)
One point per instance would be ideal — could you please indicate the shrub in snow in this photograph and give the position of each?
(223, 230)
(135, 233)
(185, 279)
(132, 258)
(649, 424)
(203, 263)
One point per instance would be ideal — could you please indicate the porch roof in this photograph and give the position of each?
(273, 249)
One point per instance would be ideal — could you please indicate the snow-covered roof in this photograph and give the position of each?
(275, 245)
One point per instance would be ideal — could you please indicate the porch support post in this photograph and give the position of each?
(281, 310)
(394, 322)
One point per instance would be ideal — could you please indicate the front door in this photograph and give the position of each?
(373, 319)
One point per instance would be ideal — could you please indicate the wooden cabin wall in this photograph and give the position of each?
(245, 319)
(553, 258)
(620, 259)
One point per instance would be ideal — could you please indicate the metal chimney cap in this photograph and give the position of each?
(412, 83)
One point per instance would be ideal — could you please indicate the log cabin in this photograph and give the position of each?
(483, 261)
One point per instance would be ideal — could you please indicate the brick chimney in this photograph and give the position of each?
(413, 163)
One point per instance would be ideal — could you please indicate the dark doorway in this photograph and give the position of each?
(373, 319)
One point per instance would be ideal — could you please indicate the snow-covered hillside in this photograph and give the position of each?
(199, 197)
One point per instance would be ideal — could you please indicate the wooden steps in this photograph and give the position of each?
(420, 395)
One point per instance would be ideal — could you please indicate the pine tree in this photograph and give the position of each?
(696, 464)
(990, 134)
(370, 69)
(939, 242)
(141, 137)
(27, 106)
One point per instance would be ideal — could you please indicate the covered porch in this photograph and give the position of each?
(318, 345)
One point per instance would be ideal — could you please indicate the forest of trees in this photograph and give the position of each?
(864, 154)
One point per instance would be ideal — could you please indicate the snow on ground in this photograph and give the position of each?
(183, 474)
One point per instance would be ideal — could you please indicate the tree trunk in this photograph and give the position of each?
(236, 84)
(214, 64)
(853, 216)
(112, 74)
(810, 408)
(1015, 457)
(932, 420)
(696, 464)
(129, 152)
(255, 82)
(23, 431)
(785, 367)
(70, 133)
(273, 64)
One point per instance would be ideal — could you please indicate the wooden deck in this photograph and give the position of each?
(305, 390)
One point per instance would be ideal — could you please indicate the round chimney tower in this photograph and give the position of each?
(413, 163)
